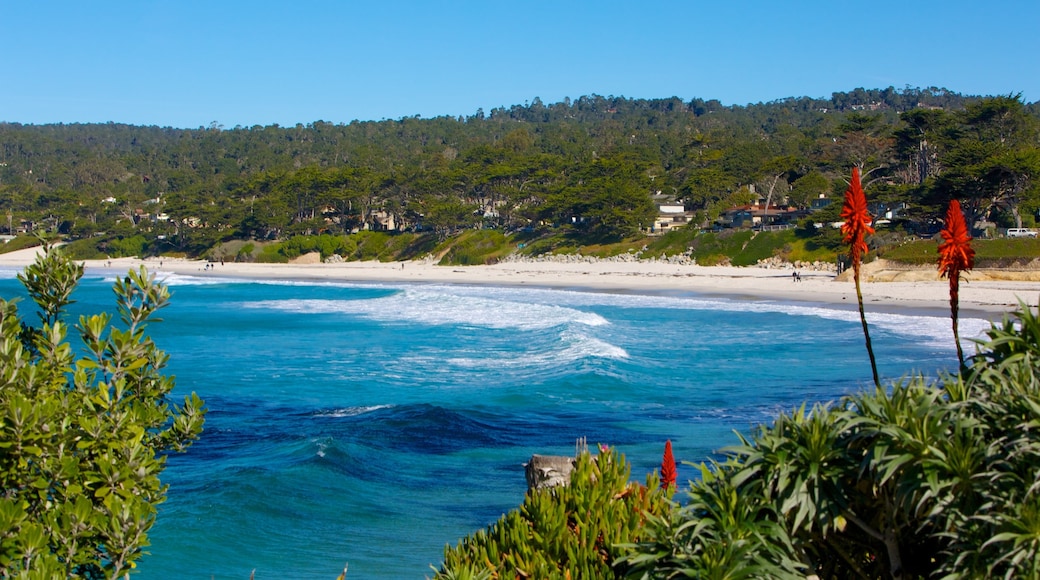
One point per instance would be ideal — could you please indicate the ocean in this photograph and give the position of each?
(374, 424)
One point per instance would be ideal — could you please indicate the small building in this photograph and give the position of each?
(380, 221)
(670, 215)
(820, 202)
(757, 215)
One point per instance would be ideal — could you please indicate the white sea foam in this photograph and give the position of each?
(533, 308)
(435, 306)
(350, 411)
(931, 330)
(572, 346)
(539, 308)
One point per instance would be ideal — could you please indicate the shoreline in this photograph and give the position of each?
(981, 297)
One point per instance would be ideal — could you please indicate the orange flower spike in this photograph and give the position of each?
(668, 473)
(854, 231)
(955, 253)
(857, 220)
(955, 256)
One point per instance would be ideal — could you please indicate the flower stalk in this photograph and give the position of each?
(668, 472)
(955, 256)
(854, 229)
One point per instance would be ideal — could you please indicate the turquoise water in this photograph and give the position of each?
(373, 424)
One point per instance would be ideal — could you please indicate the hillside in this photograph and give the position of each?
(596, 171)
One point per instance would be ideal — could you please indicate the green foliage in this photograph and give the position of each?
(476, 248)
(807, 250)
(129, 247)
(763, 245)
(565, 532)
(998, 253)
(920, 480)
(712, 249)
(556, 243)
(20, 243)
(382, 246)
(83, 438)
(86, 249)
(269, 254)
(585, 168)
(113, 246)
(245, 253)
(367, 245)
(326, 244)
(674, 242)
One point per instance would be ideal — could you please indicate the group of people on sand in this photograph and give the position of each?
(796, 276)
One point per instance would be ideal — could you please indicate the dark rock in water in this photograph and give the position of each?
(544, 471)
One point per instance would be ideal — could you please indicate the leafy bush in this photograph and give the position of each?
(245, 253)
(988, 253)
(83, 439)
(918, 481)
(711, 249)
(269, 254)
(477, 247)
(761, 246)
(674, 242)
(574, 531)
(86, 249)
(127, 247)
(366, 245)
(20, 243)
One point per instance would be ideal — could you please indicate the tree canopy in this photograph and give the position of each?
(592, 164)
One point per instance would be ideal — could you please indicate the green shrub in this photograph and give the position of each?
(86, 249)
(716, 248)
(674, 242)
(554, 243)
(808, 250)
(245, 253)
(20, 243)
(85, 429)
(129, 247)
(763, 245)
(477, 247)
(270, 254)
(998, 253)
(574, 531)
(920, 480)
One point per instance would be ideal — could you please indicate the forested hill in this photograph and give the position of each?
(594, 163)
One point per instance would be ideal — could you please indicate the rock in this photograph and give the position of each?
(311, 258)
(544, 471)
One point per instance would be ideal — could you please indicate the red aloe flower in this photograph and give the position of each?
(857, 219)
(854, 230)
(955, 256)
(668, 473)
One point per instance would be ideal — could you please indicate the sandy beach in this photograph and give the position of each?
(979, 293)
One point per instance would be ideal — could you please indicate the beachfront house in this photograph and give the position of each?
(670, 215)
(758, 216)
(380, 221)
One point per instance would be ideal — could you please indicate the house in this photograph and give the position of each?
(670, 215)
(757, 215)
(820, 202)
(381, 221)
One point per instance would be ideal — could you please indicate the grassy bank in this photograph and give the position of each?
(998, 253)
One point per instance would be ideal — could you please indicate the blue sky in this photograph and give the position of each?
(186, 63)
